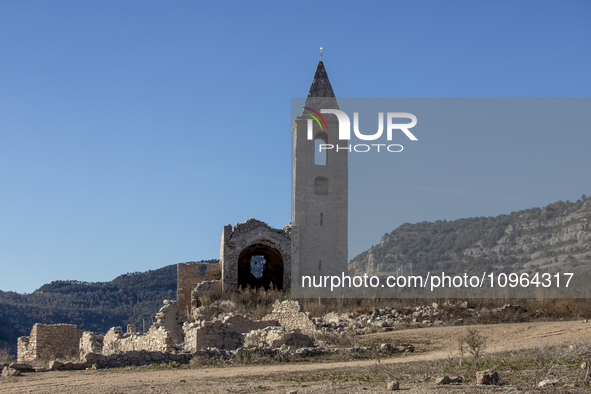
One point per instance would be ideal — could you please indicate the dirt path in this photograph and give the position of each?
(433, 343)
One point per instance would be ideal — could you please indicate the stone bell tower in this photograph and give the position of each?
(319, 243)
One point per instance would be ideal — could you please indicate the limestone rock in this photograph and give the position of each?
(7, 371)
(274, 337)
(393, 385)
(21, 367)
(487, 377)
(386, 348)
(290, 314)
(548, 383)
(585, 365)
(443, 380)
(55, 365)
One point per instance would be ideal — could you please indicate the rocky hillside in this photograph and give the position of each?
(524, 241)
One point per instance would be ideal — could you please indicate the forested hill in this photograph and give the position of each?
(524, 241)
(128, 299)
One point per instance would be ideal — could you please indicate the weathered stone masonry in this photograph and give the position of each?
(56, 340)
(190, 275)
(255, 238)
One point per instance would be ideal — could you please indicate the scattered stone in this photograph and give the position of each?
(406, 348)
(7, 371)
(90, 358)
(585, 365)
(443, 380)
(292, 392)
(21, 367)
(393, 385)
(55, 365)
(548, 383)
(40, 369)
(456, 379)
(513, 308)
(274, 337)
(68, 366)
(487, 377)
(386, 348)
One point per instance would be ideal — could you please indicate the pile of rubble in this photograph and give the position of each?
(389, 319)
(274, 337)
(287, 332)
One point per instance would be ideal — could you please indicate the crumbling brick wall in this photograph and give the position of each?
(188, 276)
(49, 341)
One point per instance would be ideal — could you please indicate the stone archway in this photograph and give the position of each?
(272, 270)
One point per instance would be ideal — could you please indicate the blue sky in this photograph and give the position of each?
(132, 132)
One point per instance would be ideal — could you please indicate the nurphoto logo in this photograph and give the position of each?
(345, 129)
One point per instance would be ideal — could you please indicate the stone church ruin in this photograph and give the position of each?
(252, 254)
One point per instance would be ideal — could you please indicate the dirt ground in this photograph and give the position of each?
(432, 344)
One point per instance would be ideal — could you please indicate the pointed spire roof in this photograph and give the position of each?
(320, 84)
(321, 94)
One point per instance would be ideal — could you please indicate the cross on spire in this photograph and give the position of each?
(321, 53)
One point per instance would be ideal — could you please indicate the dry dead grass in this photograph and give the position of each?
(257, 303)
(5, 356)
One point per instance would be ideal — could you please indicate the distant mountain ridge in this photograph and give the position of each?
(132, 298)
(524, 241)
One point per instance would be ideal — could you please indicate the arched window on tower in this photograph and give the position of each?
(320, 157)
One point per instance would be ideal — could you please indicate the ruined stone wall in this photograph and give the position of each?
(243, 324)
(91, 343)
(291, 315)
(24, 349)
(191, 274)
(131, 357)
(200, 335)
(248, 234)
(52, 340)
(274, 337)
(156, 339)
(171, 319)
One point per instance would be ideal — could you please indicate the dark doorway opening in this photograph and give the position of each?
(272, 268)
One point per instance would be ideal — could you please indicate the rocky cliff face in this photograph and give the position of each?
(556, 236)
